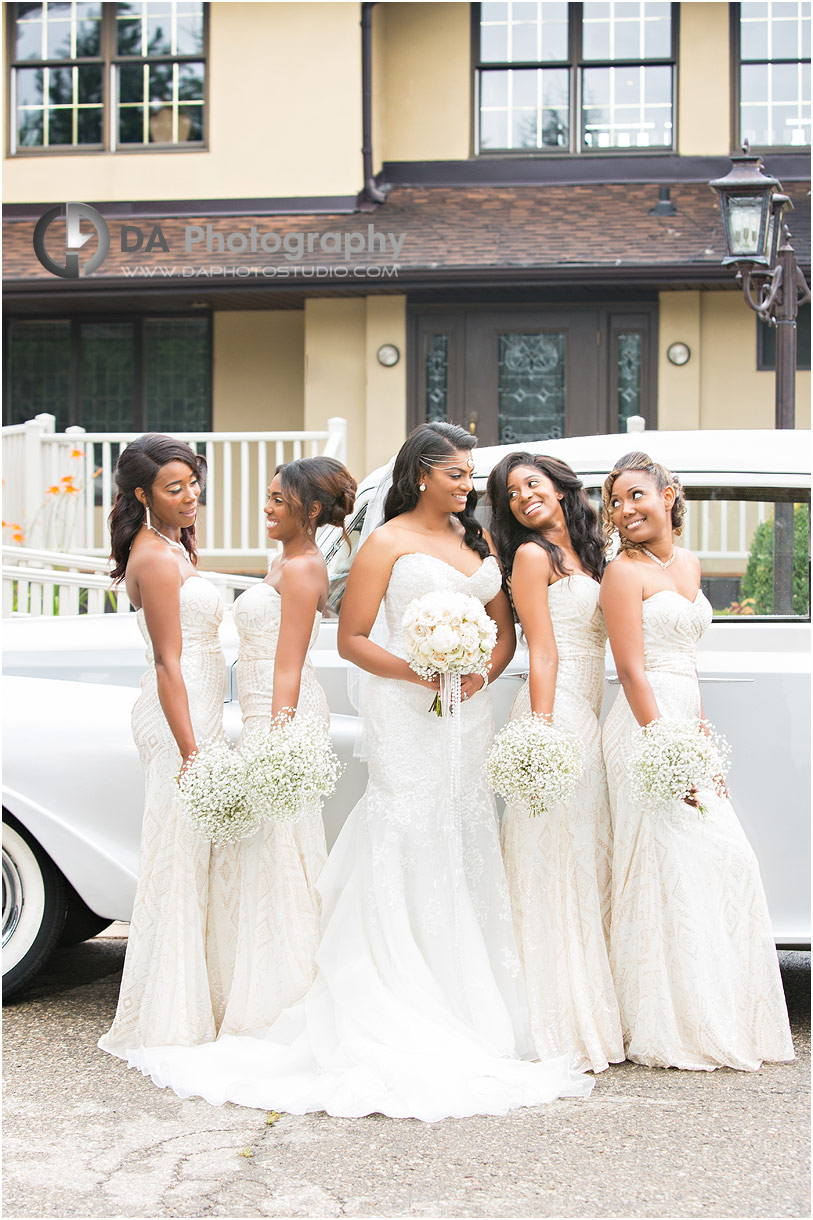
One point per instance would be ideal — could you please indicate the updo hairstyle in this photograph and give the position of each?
(318, 480)
(427, 446)
(580, 516)
(138, 466)
(661, 477)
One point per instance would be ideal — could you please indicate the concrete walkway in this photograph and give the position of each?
(85, 1137)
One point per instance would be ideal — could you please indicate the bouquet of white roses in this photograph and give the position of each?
(674, 759)
(448, 633)
(532, 762)
(289, 768)
(212, 793)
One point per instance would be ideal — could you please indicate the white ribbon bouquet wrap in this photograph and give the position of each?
(449, 634)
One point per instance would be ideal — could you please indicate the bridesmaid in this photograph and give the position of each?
(692, 948)
(278, 621)
(165, 993)
(552, 552)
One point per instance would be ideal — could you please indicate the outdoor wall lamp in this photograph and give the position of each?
(678, 353)
(388, 355)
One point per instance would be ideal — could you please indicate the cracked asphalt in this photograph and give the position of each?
(85, 1137)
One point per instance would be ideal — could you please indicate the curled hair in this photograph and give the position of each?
(661, 477)
(426, 445)
(318, 480)
(138, 466)
(581, 518)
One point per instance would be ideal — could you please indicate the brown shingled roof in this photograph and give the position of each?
(445, 231)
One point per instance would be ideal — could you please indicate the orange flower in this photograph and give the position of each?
(53, 491)
(67, 479)
(77, 453)
(17, 536)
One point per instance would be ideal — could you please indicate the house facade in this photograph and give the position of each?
(497, 214)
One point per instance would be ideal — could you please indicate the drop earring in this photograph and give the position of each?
(148, 517)
(422, 487)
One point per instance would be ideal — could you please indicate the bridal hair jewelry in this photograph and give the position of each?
(662, 563)
(445, 462)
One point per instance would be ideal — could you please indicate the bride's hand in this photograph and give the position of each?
(470, 684)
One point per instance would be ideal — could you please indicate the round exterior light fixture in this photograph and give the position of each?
(388, 355)
(678, 353)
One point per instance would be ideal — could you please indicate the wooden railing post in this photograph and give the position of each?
(34, 476)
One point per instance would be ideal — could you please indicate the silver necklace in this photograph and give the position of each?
(660, 562)
(171, 541)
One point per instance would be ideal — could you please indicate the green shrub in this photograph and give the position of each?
(758, 579)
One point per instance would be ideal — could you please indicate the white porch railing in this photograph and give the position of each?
(59, 485)
(46, 583)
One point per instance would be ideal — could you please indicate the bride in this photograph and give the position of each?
(418, 1008)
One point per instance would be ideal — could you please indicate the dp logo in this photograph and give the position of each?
(74, 240)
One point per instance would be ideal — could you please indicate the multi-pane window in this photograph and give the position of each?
(774, 73)
(112, 375)
(107, 76)
(557, 77)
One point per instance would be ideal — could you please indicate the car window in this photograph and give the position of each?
(339, 556)
(754, 549)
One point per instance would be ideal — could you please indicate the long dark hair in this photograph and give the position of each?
(425, 445)
(662, 479)
(138, 466)
(581, 518)
(322, 480)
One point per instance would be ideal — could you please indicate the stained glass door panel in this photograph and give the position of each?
(533, 376)
(530, 387)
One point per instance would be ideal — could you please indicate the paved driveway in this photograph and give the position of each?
(83, 1136)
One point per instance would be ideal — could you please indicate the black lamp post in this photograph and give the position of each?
(757, 243)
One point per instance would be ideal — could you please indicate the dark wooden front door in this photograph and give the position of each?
(523, 374)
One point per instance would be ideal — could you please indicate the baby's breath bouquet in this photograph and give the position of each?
(212, 793)
(448, 633)
(673, 759)
(289, 768)
(534, 763)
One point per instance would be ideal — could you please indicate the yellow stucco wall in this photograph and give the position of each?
(385, 398)
(284, 118)
(421, 82)
(334, 370)
(258, 375)
(343, 376)
(704, 81)
(720, 386)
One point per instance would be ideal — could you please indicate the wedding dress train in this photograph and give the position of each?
(418, 1008)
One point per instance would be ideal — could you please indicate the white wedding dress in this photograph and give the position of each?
(418, 1008)
(165, 990)
(274, 933)
(692, 948)
(558, 863)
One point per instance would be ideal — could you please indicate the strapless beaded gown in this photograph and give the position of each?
(277, 908)
(165, 994)
(558, 863)
(418, 1008)
(692, 948)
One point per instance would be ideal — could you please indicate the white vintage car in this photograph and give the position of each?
(72, 783)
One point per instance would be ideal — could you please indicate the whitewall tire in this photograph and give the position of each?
(34, 906)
